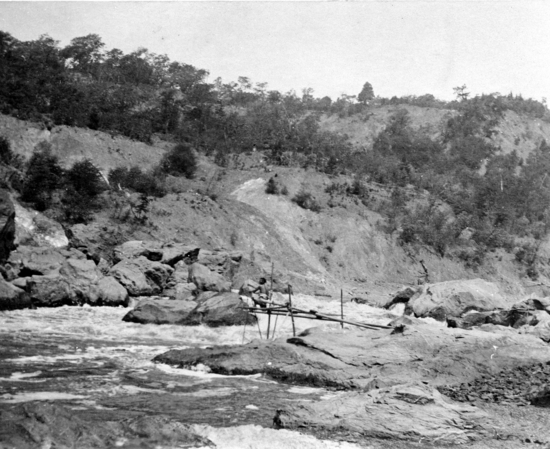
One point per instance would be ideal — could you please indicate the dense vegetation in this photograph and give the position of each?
(455, 193)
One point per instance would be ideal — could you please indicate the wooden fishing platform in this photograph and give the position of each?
(276, 310)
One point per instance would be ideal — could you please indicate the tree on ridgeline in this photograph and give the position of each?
(366, 94)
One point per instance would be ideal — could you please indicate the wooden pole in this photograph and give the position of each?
(268, 305)
(275, 326)
(258, 323)
(313, 315)
(342, 307)
(290, 309)
(246, 321)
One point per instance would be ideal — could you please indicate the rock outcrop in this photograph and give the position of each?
(55, 276)
(160, 311)
(402, 412)
(35, 229)
(40, 424)
(223, 309)
(12, 297)
(141, 276)
(455, 298)
(368, 359)
(207, 280)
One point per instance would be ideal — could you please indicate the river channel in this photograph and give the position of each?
(88, 359)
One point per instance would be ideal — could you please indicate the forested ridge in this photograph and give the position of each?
(457, 192)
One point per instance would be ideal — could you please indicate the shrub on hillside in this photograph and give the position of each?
(306, 201)
(44, 175)
(78, 207)
(180, 161)
(147, 183)
(83, 185)
(85, 178)
(274, 187)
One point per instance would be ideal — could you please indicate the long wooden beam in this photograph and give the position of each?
(314, 315)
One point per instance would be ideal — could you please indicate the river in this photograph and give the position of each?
(87, 358)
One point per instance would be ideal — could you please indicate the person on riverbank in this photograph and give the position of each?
(260, 295)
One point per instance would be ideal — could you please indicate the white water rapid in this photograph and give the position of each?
(88, 358)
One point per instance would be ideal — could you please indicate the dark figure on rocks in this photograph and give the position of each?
(260, 295)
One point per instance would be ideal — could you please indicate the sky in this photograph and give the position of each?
(406, 47)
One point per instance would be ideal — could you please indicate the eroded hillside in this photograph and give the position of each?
(514, 132)
(344, 245)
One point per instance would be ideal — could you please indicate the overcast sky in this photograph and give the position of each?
(401, 47)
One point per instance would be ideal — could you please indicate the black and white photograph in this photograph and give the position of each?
(275, 224)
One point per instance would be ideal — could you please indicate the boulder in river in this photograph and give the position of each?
(207, 280)
(223, 309)
(111, 293)
(401, 296)
(455, 298)
(141, 277)
(51, 291)
(12, 297)
(159, 311)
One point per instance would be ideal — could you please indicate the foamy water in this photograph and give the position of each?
(88, 357)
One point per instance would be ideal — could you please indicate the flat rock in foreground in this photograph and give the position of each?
(42, 425)
(400, 412)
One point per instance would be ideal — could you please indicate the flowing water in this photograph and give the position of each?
(87, 358)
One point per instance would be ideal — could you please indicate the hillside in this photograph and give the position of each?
(514, 132)
(345, 245)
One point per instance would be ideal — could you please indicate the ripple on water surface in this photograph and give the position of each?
(88, 358)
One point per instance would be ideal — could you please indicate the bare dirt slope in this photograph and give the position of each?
(74, 144)
(515, 132)
(342, 246)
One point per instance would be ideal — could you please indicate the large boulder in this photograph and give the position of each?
(56, 276)
(141, 276)
(184, 291)
(51, 291)
(12, 297)
(111, 293)
(160, 311)
(470, 319)
(207, 280)
(96, 240)
(401, 296)
(402, 412)
(218, 261)
(526, 312)
(82, 274)
(35, 229)
(224, 309)
(455, 298)
(538, 325)
(133, 249)
(30, 260)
